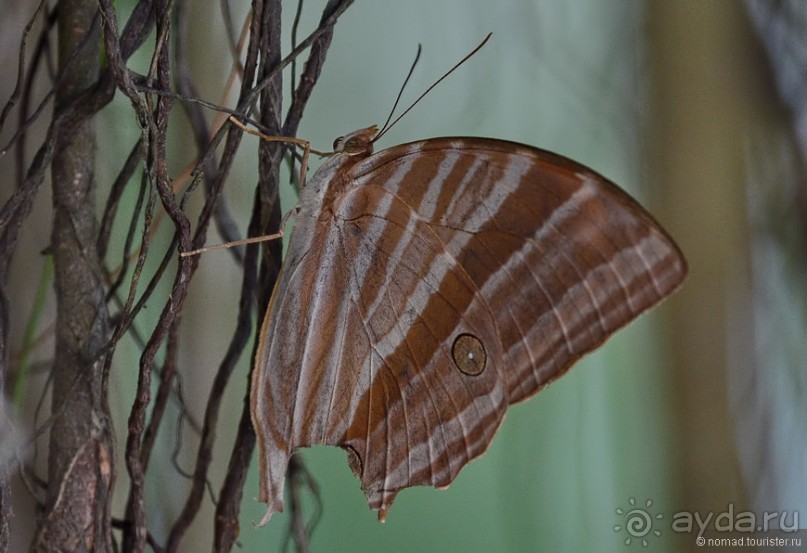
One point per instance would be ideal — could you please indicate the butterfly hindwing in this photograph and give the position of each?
(425, 417)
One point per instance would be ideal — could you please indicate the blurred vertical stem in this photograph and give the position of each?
(77, 515)
(21, 376)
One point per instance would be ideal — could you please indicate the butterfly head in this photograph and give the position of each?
(357, 143)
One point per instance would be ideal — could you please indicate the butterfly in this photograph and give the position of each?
(428, 287)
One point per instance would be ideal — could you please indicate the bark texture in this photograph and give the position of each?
(77, 514)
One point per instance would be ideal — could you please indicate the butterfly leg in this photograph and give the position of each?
(304, 144)
(255, 239)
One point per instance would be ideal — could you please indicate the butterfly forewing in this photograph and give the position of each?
(563, 256)
(429, 286)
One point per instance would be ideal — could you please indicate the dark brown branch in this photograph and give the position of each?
(69, 115)
(167, 376)
(127, 244)
(330, 21)
(113, 200)
(77, 509)
(16, 93)
(313, 67)
(225, 223)
(211, 421)
(78, 238)
(228, 507)
(66, 67)
(226, 527)
(294, 27)
(41, 52)
(247, 97)
(154, 140)
(266, 34)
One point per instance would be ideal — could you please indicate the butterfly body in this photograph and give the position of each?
(429, 286)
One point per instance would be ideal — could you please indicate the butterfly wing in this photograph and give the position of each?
(453, 277)
(348, 358)
(565, 255)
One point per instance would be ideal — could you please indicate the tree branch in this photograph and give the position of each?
(77, 510)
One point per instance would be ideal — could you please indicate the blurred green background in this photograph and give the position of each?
(697, 406)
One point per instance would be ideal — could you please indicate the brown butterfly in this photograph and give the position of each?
(430, 286)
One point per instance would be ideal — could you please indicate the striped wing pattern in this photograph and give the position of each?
(396, 258)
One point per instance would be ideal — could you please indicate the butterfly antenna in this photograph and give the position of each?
(400, 91)
(386, 126)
